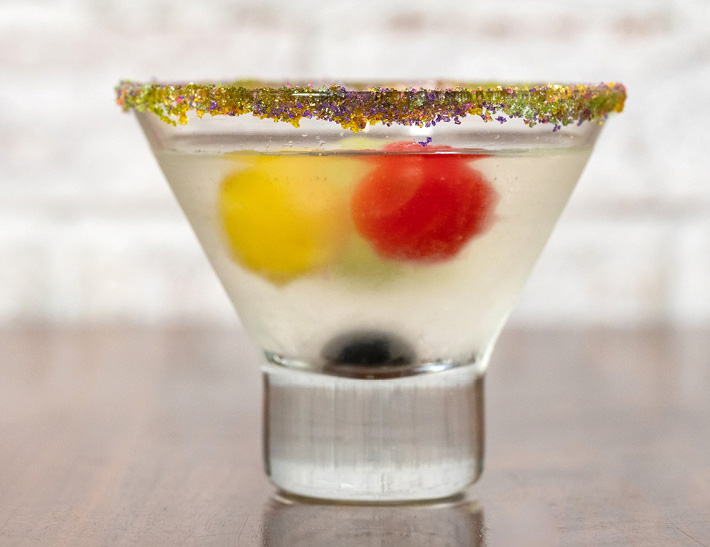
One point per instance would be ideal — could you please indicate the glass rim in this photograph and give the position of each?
(354, 105)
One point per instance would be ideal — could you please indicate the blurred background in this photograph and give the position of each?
(90, 233)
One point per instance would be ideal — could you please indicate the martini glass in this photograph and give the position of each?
(373, 240)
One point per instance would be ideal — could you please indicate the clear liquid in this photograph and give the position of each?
(449, 311)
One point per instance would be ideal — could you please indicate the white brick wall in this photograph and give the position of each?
(90, 233)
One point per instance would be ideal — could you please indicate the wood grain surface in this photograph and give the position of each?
(129, 437)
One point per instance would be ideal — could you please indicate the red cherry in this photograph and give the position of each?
(422, 206)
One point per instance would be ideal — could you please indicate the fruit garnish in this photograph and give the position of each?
(422, 206)
(286, 216)
(368, 348)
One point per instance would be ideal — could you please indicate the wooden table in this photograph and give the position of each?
(141, 437)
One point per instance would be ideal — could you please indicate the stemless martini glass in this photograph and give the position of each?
(373, 240)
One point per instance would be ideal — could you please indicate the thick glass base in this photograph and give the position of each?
(384, 440)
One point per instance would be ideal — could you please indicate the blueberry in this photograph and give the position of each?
(369, 349)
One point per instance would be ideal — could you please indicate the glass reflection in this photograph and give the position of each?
(291, 522)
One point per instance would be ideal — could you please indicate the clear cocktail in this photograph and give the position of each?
(373, 248)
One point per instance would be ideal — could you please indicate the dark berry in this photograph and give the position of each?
(369, 349)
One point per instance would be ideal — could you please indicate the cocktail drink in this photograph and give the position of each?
(373, 240)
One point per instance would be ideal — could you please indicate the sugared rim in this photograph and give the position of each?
(354, 106)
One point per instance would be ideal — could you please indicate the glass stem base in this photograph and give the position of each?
(386, 440)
